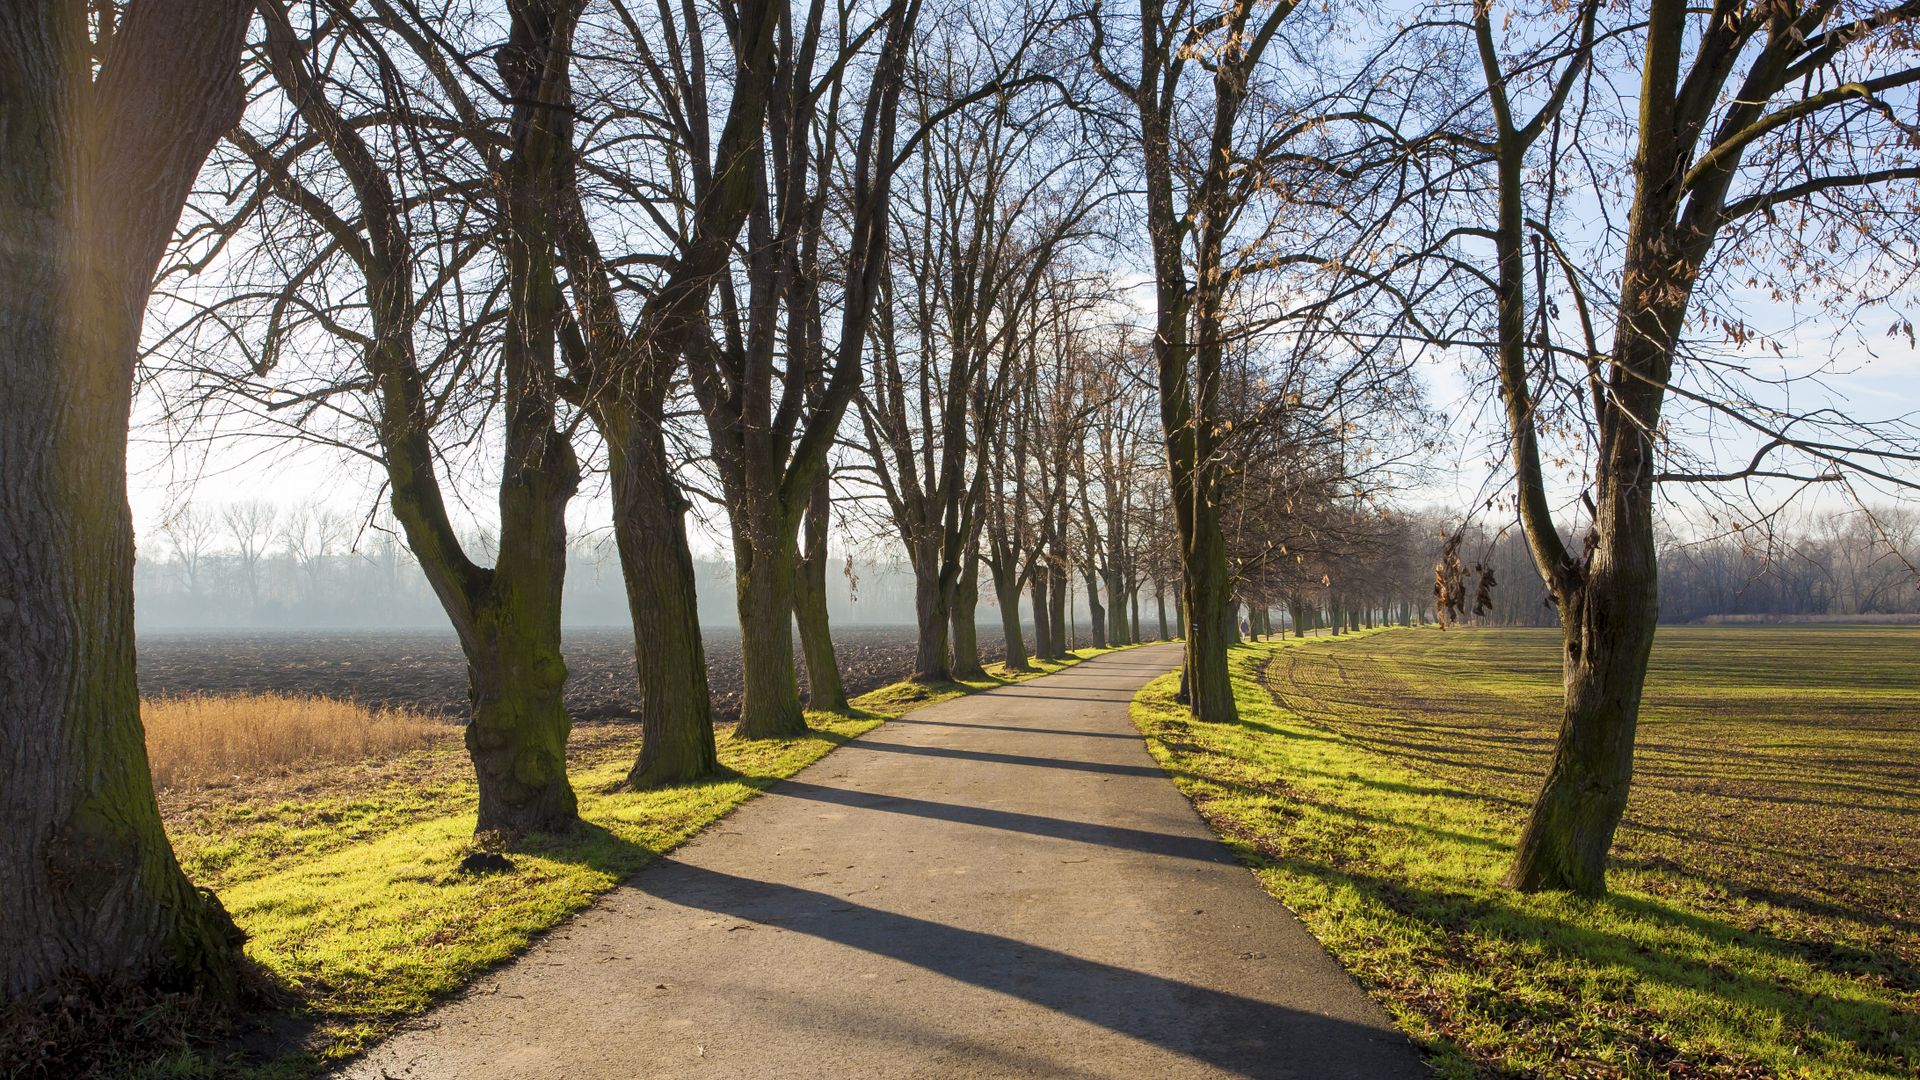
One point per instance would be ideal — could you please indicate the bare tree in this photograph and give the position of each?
(770, 447)
(104, 122)
(995, 199)
(189, 533)
(1770, 130)
(377, 106)
(622, 373)
(252, 525)
(1202, 170)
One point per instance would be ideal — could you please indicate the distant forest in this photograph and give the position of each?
(1838, 567)
(255, 565)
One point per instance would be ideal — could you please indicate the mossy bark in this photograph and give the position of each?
(1211, 627)
(517, 735)
(1007, 592)
(1062, 634)
(1043, 646)
(94, 168)
(764, 557)
(825, 689)
(670, 663)
(964, 610)
(1096, 611)
(1119, 631)
(932, 612)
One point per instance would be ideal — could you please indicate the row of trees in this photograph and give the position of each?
(505, 248)
(725, 254)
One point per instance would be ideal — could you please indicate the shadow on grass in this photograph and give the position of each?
(1879, 1030)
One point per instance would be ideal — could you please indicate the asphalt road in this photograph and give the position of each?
(1000, 886)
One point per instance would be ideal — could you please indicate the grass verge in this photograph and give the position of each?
(346, 878)
(1392, 867)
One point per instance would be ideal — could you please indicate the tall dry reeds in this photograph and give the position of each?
(200, 739)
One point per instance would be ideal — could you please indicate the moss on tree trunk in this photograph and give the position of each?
(764, 559)
(95, 164)
(670, 662)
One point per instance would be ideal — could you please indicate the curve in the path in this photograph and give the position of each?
(1005, 885)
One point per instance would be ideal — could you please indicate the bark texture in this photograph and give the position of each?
(825, 689)
(93, 173)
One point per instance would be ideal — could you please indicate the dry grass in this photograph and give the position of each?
(203, 740)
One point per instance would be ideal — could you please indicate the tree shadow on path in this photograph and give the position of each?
(1237, 1034)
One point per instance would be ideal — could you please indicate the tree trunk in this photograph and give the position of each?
(966, 632)
(88, 881)
(1043, 646)
(1096, 611)
(931, 611)
(1116, 609)
(1057, 612)
(764, 558)
(825, 690)
(1007, 592)
(1180, 616)
(1211, 626)
(93, 173)
(670, 662)
(1160, 604)
(517, 736)
(1607, 636)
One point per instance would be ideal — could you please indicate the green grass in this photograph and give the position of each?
(1765, 914)
(349, 892)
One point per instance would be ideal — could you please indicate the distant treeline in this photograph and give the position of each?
(255, 564)
(1840, 566)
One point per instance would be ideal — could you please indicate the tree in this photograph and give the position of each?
(1732, 101)
(769, 448)
(101, 136)
(1190, 222)
(189, 532)
(995, 199)
(344, 211)
(251, 525)
(622, 374)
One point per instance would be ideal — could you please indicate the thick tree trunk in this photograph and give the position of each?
(1211, 625)
(670, 662)
(1043, 646)
(1117, 632)
(764, 558)
(825, 690)
(965, 609)
(88, 882)
(932, 611)
(94, 168)
(1607, 637)
(1062, 634)
(517, 736)
(1007, 592)
(1096, 611)
(1180, 617)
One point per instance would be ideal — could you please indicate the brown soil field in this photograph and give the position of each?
(424, 670)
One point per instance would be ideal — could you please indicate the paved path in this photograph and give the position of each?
(1000, 886)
